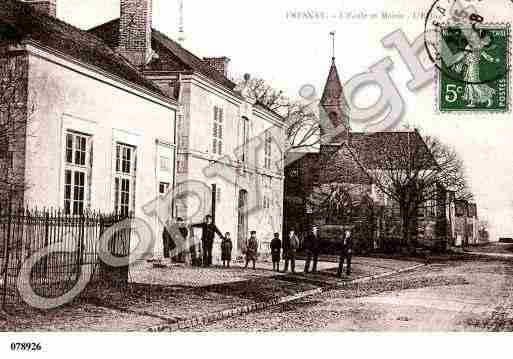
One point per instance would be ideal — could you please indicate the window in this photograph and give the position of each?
(268, 150)
(165, 164)
(163, 187)
(430, 208)
(76, 171)
(124, 180)
(266, 202)
(245, 139)
(217, 132)
(181, 163)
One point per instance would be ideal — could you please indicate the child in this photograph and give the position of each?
(252, 250)
(226, 250)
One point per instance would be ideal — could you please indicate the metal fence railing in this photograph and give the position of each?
(74, 243)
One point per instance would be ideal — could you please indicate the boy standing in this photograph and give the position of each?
(252, 250)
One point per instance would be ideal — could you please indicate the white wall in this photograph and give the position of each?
(66, 99)
(198, 101)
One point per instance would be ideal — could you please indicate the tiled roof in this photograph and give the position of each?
(333, 88)
(21, 23)
(391, 149)
(171, 55)
(375, 150)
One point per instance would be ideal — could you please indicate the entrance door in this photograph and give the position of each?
(243, 219)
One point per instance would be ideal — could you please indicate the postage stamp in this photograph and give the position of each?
(470, 47)
(475, 76)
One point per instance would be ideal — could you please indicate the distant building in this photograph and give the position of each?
(466, 227)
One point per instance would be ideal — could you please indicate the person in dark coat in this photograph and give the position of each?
(166, 239)
(179, 236)
(208, 232)
(312, 247)
(251, 250)
(275, 251)
(226, 250)
(346, 253)
(290, 245)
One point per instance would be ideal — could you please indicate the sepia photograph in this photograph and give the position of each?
(247, 170)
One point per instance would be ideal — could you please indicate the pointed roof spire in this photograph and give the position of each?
(333, 88)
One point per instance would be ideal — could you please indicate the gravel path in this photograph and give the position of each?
(163, 296)
(469, 295)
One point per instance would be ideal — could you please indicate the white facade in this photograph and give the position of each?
(98, 115)
(256, 174)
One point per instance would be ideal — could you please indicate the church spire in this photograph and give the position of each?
(333, 102)
(333, 89)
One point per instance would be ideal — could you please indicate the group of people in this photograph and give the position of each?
(286, 249)
(312, 248)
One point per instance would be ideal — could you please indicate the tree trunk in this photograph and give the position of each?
(408, 239)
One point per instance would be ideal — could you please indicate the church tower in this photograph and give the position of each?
(335, 127)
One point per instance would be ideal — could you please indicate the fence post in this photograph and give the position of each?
(47, 238)
(6, 251)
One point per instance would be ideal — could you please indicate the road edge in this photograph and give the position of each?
(229, 313)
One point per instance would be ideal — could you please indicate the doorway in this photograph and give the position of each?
(242, 227)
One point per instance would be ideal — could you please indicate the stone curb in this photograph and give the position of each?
(216, 316)
(491, 255)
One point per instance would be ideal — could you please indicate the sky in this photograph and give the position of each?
(262, 38)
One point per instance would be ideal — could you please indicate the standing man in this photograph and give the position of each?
(251, 250)
(179, 238)
(275, 251)
(346, 253)
(166, 239)
(312, 248)
(290, 245)
(208, 232)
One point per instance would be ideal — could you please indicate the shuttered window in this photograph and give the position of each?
(217, 131)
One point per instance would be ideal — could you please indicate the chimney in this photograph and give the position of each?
(218, 63)
(48, 7)
(135, 31)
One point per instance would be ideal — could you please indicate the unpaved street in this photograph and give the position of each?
(463, 295)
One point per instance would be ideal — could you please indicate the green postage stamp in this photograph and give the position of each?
(475, 71)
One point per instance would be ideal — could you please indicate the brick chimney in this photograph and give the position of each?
(218, 63)
(48, 7)
(135, 31)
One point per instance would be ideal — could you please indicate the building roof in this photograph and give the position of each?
(392, 149)
(333, 90)
(171, 55)
(21, 23)
(376, 150)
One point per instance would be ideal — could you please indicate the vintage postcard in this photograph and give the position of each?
(172, 166)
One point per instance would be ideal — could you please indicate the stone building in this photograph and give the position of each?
(227, 143)
(126, 117)
(332, 187)
(466, 224)
(88, 127)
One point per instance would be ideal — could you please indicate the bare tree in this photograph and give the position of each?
(412, 172)
(301, 118)
(14, 115)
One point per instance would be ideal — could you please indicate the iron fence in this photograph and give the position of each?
(74, 243)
